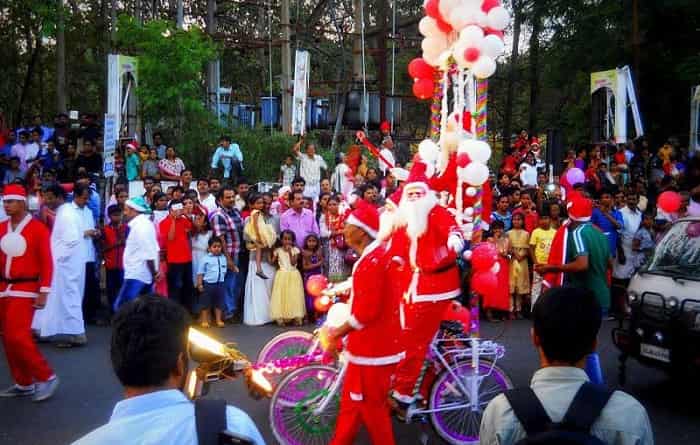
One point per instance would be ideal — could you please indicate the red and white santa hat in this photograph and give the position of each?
(365, 216)
(14, 192)
(131, 144)
(580, 208)
(417, 177)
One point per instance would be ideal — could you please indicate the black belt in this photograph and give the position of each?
(18, 280)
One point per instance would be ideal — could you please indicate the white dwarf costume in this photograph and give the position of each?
(26, 268)
(428, 239)
(373, 346)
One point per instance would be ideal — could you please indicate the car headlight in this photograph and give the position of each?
(672, 303)
(632, 296)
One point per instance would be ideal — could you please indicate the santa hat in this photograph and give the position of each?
(385, 126)
(580, 209)
(365, 216)
(417, 177)
(14, 192)
(131, 145)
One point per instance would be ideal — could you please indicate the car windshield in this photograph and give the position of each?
(678, 253)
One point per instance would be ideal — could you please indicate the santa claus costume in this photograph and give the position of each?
(26, 269)
(376, 294)
(427, 239)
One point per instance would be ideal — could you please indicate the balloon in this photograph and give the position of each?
(460, 18)
(498, 18)
(322, 303)
(575, 176)
(471, 54)
(428, 151)
(481, 18)
(13, 244)
(434, 45)
(669, 202)
(445, 7)
(423, 88)
(432, 8)
(338, 314)
(494, 32)
(475, 173)
(484, 256)
(443, 26)
(484, 67)
(316, 284)
(428, 27)
(484, 282)
(463, 160)
(492, 46)
(432, 58)
(489, 5)
(472, 34)
(478, 151)
(418, 68)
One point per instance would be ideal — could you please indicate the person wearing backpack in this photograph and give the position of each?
(561, 406)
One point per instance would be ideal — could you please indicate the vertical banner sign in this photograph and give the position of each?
(111, 134)
(122, 78)
(301, 83)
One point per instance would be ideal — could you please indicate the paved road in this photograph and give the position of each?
(89, 389)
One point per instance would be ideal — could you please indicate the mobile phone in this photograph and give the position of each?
(177, 207)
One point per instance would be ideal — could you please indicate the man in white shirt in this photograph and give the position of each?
(623, 267)
(310, 166)
(206, 198)
(566, 322)
(24, 150)
(141, 252)
(153, 372)
(387, 154)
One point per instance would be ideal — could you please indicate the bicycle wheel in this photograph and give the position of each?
(287, 344)
(456, 419)
(294, 400)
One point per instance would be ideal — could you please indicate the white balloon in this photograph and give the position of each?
(338, 314)
(492, 46)
(428, 27)
(472, 34)
(460, 18)
(428, 151)
(471, 192)
(13, 244)
(447, 6)
(498, 18)
(434, 45)
(432, 58)
(458, 54)
(478, 151)
(484, 67)
(481, 18)
(476, 173)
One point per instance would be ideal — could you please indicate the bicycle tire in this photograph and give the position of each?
(276, 349)
(292, 423)
(460, 426)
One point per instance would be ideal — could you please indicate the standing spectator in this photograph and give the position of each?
(288, 171)
(61, 131)
(46, 131)
(580, 161)
(94, 201)
(6, 153)
(186, 180)
(643, 243)
(258, 234)
(149, 168)
(342, 179)
(68, 170)
(211, 274)
(114, 241)
(171, 167)
(24, 151)
(519, 274)
(133, 161)
(608, 219)
(141, 252)
(311, 167)
(624, 266)
(53, 198)
(159, 206)
(174, 233)
(540, 245)
(299, 220)
(206, 198)
(528, 212)
(89, 159)
(501, 300)
(226, 225)
(501, 213)
(229, 156)
(332, 224)
(287, 301)
(387, 160)
(242, 188)
(14, 172)
(257, 292)
(311, 264)
(158, 144)
(201, 233)
(88, 226)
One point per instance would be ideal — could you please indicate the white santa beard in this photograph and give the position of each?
(414, 214)
(388, 221)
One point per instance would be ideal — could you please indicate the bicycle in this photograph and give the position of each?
(305, 403)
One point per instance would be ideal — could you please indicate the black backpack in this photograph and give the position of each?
(575, 427)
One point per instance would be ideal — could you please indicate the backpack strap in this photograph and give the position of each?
(210, 418)
(529, 410)
(586, 407)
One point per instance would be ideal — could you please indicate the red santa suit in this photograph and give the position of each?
(25, 267)
(373, 346)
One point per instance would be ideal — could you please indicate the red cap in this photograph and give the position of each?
(366, 217)
(385, 126)
(14, 192)
(580, 209)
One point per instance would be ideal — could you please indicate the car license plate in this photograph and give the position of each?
(655, 352)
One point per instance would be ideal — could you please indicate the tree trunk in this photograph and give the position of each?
(138, 13)
(30, 73)
(513, 73)
(212, 71)
(113, 23)
(382, 9)
(535, 66)
(180, 14)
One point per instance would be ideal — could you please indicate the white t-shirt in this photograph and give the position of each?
(141, 246)
(310, 168)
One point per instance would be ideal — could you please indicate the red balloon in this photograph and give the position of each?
(423, 88)
(494, 32)
(484, 256)
(463, 160)
(669, 202)
(484, 282)
(471, 54)
(443, 25)
(322, 303)
(418, 68)
(489, 5)
(432, 9)
(316, 284)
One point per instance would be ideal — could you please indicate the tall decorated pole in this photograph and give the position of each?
(482, 91)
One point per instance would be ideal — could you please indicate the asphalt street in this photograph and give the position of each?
(89, 389)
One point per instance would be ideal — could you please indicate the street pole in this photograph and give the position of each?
(61, 61)
(285, 79)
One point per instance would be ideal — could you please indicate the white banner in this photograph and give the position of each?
(111, 134)
(302, 67)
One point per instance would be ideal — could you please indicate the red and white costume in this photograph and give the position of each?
(373, 346)
(26, 268)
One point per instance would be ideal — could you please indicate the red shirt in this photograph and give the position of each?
(114, 256)
(532, 219)
(178, 250)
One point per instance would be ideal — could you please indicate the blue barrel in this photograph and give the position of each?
(246, 115)
(270, 111)
(322, 110)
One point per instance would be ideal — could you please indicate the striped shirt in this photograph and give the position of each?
(229, 225)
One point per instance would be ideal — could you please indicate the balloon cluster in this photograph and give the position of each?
(484, 258)
(315, 286)
(466, 32)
